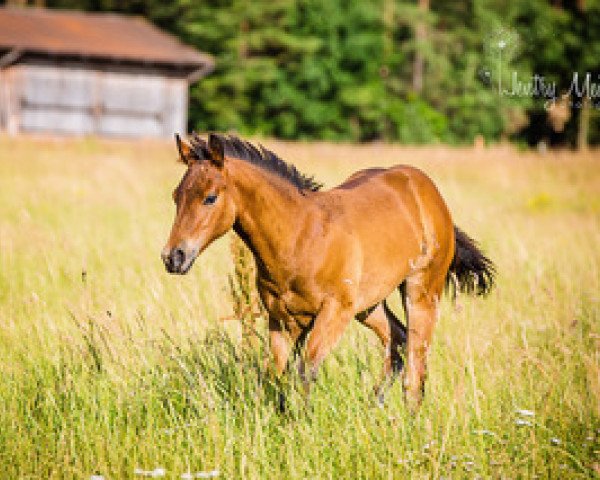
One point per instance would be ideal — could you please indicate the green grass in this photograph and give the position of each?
(108, 364)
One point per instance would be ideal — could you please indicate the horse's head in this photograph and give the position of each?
(205, 209)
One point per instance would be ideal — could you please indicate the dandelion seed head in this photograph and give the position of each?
(501, 44)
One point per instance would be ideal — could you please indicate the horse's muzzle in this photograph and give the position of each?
(178, 260)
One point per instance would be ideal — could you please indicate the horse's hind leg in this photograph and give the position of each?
(392, 334)
(421, 298)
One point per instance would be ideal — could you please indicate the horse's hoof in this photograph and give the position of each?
(379, 397)
(281, 403)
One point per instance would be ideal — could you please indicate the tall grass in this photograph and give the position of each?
(107, 364)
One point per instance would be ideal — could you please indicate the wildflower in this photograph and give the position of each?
(97, 477)
(483, 432)
(209, 474)
(525, 413)
(428, 445)
(157, 472)
(502, 44)
(519, 422)
(555, 441)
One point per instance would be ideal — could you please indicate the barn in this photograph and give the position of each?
(77, 73)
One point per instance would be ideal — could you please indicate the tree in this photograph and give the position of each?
(398, 70)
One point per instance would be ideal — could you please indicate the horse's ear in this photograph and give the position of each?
(186, 152)
(216, 149)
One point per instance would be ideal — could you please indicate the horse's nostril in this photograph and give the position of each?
(177, 258)
(173, 260)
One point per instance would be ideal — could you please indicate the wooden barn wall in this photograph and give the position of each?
(81, 101)
(9, 118)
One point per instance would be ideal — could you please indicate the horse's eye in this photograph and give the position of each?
(210, 199)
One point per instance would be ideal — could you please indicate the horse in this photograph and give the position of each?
(326, 257)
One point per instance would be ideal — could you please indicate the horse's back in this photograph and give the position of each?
(379, 190)
(396, 175)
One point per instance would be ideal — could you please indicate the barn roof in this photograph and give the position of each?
(105, 36)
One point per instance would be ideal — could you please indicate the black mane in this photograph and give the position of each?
(259, 156)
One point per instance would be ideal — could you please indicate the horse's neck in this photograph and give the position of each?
(269, 212)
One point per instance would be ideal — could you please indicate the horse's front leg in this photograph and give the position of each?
(327, 330)
(281, 342)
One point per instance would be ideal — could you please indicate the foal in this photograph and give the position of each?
(326, 257)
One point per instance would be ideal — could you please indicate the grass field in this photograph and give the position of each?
(108, 364)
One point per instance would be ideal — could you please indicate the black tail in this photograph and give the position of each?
(470, 271)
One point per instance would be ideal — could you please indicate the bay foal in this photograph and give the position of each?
(325, 258)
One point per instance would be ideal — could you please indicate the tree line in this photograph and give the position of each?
(393, 70)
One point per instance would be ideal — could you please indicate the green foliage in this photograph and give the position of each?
(343, 70)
